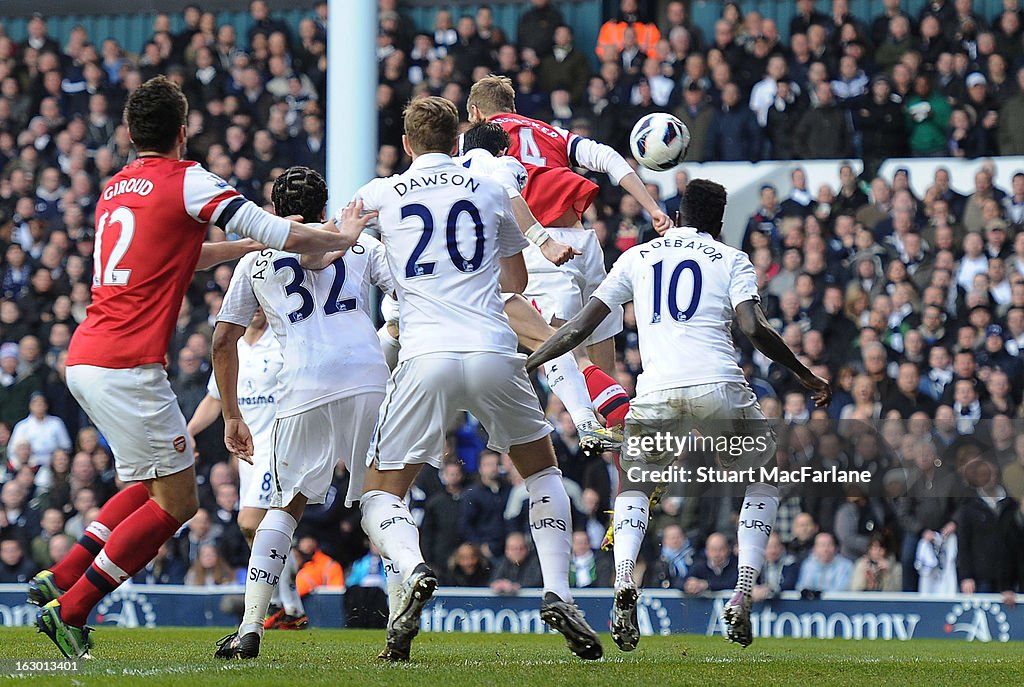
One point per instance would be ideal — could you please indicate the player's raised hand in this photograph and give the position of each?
(661, 221)
(557, 252)
(238, 439)
(354, 220)
(821, 392)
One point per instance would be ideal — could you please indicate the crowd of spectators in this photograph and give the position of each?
(913, 305)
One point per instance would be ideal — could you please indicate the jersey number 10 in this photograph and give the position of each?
(677, 314)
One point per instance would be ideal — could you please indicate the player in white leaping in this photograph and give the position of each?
(686, 287)
(451, 238)
(485, 145)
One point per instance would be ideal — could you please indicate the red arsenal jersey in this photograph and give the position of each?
(547, 152)
(151, 221)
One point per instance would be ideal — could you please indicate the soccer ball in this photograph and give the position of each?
(659, 141)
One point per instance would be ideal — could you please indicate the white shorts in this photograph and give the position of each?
(721, 411)
(256, 481)
(561, 292)
(137, 413)
(425, 393)
(309, 445)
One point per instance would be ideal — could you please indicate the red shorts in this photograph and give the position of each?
(553, 191)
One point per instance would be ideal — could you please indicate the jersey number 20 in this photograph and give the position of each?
(415, 268)
(677, 314)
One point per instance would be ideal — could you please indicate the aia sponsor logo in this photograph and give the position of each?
(979, 621)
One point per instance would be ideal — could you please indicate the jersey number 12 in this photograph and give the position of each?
(674, 311)
(110, 274)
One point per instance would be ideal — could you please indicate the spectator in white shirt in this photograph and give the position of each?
(973, 262)
(45, 433)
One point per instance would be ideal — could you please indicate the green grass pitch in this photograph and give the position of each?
(183, 656)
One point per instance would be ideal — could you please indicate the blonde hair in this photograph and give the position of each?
(493, 95)
(432, 125)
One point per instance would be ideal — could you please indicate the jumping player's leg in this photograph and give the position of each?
(133, 543)
(48, 584)
(138, 413)
(563, 373)
(598, 364)
(509, 412)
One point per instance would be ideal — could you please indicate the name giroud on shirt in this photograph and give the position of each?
(436, 179)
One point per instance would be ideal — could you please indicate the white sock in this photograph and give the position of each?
(567, 382)
(390, 346)
(394, 576)
(757, 517)
(269, 552)
(551, 524)
(290, 599)
(389, 524)
(632, 510)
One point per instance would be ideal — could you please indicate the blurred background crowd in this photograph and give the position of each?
(912, 304)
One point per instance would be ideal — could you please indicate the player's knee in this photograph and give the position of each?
(248, 521)
(248, 533)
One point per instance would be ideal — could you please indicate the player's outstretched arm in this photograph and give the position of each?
(352, 223)
(303, 238)
(214, 253)
(755, 326)
(597, 157)
(571, 334)
(237, 438)
(635, 187)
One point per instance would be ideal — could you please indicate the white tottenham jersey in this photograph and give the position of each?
(684, 286)
(258, 366)
(321, 319)
(445, 228)
(506, 170)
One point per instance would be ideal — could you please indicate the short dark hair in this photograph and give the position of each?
(486, 135)
(703, 206)
(431, 125)
(155, 113)
(300, 191)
